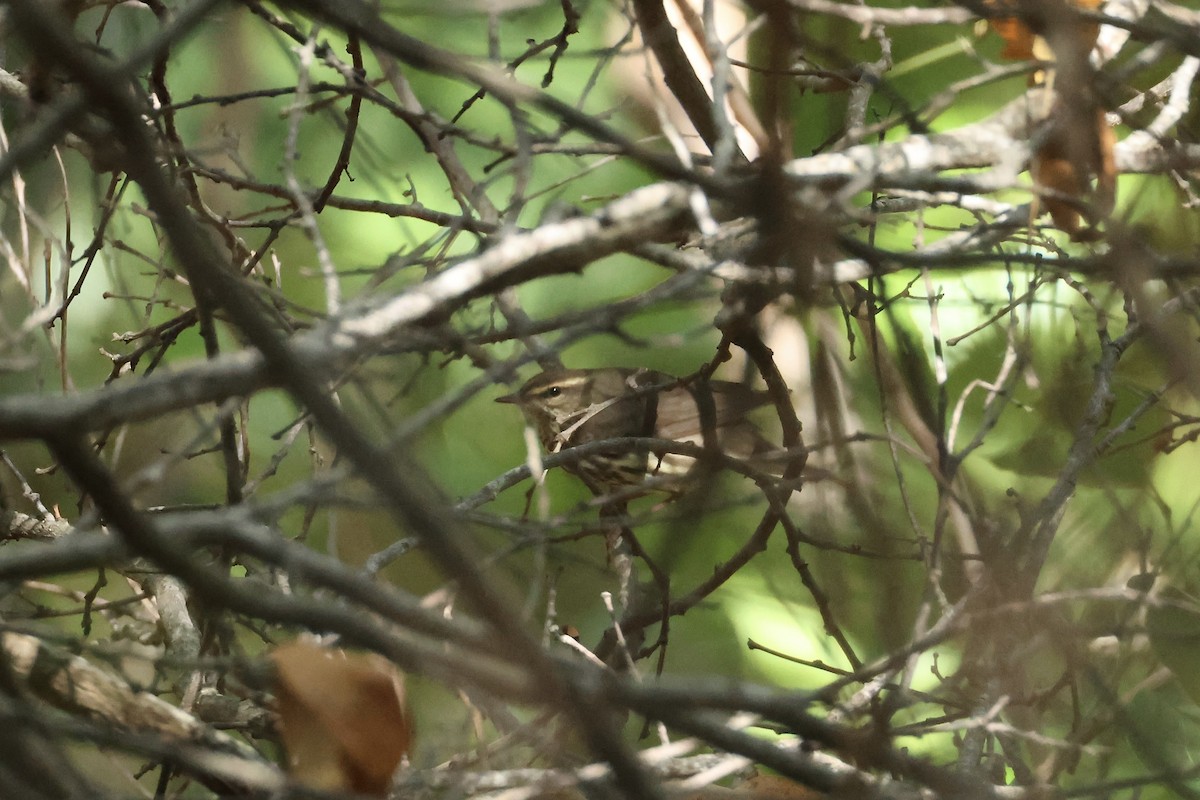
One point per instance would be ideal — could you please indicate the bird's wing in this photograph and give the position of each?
(679, 408)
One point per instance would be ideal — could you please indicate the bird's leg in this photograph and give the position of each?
(618, 551)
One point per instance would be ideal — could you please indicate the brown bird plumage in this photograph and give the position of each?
(572, 407)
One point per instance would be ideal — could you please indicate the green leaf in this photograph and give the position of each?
(1163, 728)
(1175, 635)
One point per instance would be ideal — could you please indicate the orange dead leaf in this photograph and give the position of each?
(1024, 44)
(760, 787)
(1059, 174)
(776, 787)
(341, 716)
(1106, 171)
(1074, 153)
(1018, 39)
(1064, 164)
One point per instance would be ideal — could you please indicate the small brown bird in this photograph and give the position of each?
(571, 407)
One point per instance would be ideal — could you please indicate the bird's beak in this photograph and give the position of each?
(508, 398)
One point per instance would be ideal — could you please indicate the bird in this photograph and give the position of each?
(572, 407)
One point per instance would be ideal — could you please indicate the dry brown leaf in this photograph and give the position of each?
(1057, 166)
(776, 787)
(760, 787)
(1070, 157)
(341, 716)
(1023, 44)
(1058, 174)
(1018, 39)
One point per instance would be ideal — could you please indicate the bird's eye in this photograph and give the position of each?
(553, 391)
